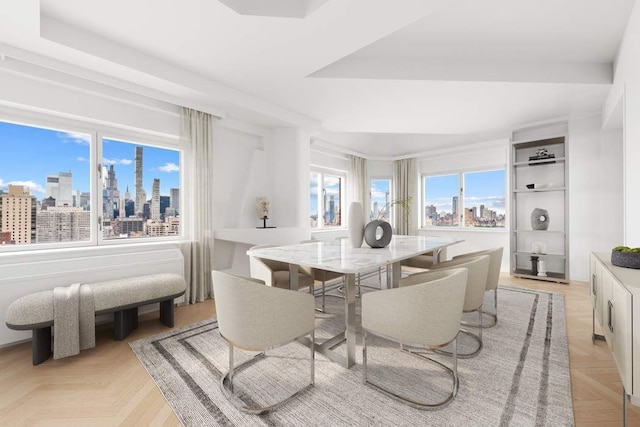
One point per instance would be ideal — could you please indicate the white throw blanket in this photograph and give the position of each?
(73, 320)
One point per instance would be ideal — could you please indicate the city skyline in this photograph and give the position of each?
(38, 152)
(481, 188)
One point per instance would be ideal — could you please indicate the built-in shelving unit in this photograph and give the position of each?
(540, 254)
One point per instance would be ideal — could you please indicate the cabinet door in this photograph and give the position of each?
(595, 288)
(600, 293)
(621, 324)
(607, 307)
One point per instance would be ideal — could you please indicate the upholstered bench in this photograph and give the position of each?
(121, 297)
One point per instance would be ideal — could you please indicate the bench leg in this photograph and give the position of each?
(166, 312)
(41, 346)
(124, 322)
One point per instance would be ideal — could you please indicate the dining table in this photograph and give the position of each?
(340, 256)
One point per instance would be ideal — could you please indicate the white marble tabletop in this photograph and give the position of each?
(340, 257)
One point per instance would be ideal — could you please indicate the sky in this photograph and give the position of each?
(28, 154)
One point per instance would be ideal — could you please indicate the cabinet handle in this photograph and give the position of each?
(610, 316)
(594, 285)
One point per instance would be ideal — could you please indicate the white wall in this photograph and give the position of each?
(612, 182)
(289, 157)
(247, 165)
(626, 86)
(585, 194)
(242, 172)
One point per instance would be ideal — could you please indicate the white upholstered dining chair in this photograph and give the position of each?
(495, 262)
(322, 276)
(422, 313)
(478, 268)
(255, 317)
(276, 273)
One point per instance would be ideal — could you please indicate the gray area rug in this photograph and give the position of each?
(520, 378)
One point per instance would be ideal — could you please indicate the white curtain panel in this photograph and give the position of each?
(197, 138)
(359, 187)
(405, 178)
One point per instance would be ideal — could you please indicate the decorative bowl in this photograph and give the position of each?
(625, 259)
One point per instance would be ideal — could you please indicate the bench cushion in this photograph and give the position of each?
(36, 310)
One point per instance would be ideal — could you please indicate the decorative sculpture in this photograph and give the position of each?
(262, 210)
(539, 219)
(371, 234)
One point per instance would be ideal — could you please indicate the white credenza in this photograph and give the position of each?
(613, 290)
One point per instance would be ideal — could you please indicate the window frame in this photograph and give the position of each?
(461, 196)
(322, 171)
(96, 133)
(143, 140)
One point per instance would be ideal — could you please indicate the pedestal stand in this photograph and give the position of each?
(534, 265)
(264, 222)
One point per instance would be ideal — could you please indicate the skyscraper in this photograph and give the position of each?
(52, 189)
(140, 194)
(63, 224)
(112, 185)
(16, 213)
(175, 199)
(65, 189)
(155, 199)
(60, 188)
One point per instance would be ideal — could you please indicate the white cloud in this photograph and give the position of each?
(108, 162)
(76, 138)
(378, 194)
(82, 159)
(169, 167)
(34, 187)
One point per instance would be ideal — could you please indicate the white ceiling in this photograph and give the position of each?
(356, 71)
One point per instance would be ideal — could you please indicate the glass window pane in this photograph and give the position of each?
(484, 198)
(314, 191)
(380, 199)
(332, 194)
(140, 191)
(44, 185)
(441, 200)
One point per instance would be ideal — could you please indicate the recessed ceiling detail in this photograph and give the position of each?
(275, 8)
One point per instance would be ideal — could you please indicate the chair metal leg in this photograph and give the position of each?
(493, 316)
(231, 368)
(477, 338)
(228, 391)
(364, 357)
(453, 371)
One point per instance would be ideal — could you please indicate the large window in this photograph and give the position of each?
(465, 199)
(326, 199)
(484, 204)
(441, 200)
(140, 191)
(381, 198)
(51, 195)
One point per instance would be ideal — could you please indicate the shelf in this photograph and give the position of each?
(539, 190)
(550, 277)
(259, 236)
(533, 163)
(539, 255)
(538, 231)
(543, 164)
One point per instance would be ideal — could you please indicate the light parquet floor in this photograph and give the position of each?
(107, 386)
